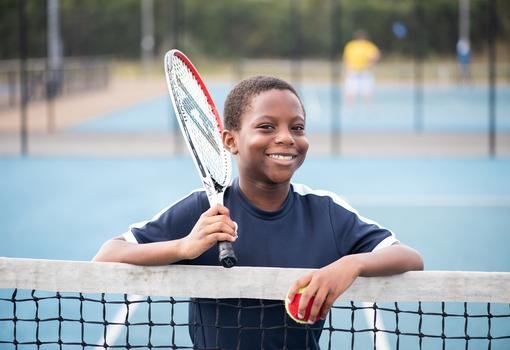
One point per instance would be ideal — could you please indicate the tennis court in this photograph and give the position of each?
(89, 145)
(447, 109)
(455, 211)
(64, 208)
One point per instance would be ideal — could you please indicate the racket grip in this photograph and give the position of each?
(227, 255)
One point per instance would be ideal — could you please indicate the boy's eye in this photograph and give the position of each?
(298, 127)
(266, 126)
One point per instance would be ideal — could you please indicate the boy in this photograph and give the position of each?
(280, 225)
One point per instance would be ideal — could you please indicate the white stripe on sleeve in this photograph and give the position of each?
(388, 241)
(129, 237)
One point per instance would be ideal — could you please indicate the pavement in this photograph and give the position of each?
(58, 138)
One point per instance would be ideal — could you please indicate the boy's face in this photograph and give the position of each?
(270, 144)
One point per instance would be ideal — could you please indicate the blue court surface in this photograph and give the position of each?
(455, 212)
(445, 109)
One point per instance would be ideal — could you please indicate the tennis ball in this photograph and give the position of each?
(292, 308)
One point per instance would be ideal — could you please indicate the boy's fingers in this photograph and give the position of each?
(297, 285)
(221, 226)
(326, 306)
(216, 209)
(220, 237)
(221, 209)
(217, 228)
(219, 212)
(207, 219)
(317, 306)
(306, 296)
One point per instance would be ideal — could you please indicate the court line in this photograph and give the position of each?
(114, 331)
(381, 339)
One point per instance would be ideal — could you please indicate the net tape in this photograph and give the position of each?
(95, 319)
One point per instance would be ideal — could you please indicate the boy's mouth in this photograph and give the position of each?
(281, 156)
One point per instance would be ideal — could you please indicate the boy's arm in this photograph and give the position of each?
(395, 259)
(158, 253)
(329, 282)
(213, 225)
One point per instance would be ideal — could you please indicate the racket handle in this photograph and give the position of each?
(227, 255)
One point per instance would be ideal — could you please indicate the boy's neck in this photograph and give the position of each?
(267, 197)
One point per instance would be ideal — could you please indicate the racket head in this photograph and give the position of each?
(199, 121)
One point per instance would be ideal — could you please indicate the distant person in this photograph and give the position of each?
(359, 56)
(464, 60)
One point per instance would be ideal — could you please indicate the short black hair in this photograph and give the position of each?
(239, 98)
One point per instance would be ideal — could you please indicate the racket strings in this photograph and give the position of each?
(200, 122)
(205, 127)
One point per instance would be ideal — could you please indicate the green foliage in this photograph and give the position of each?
(100, 27)
(10, 28)
(252, 28)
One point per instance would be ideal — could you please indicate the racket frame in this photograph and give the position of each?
(213, 189)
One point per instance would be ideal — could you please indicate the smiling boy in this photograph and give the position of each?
(280, 224)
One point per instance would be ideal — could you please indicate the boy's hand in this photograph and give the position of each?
(325, 286)
(328, 283)
(213, 225)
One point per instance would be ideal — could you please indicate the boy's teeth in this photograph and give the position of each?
(280, 156)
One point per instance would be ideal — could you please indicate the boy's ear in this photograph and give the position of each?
(229, 141)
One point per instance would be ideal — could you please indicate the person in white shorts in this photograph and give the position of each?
(359, 56)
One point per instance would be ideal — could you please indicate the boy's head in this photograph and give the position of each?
(360, 34)
(240, 97)
(265, 130)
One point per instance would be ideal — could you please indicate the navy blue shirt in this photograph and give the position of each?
(311, 230)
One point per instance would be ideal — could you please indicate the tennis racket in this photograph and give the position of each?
(201, 127)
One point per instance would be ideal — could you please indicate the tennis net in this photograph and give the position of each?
(47, 304)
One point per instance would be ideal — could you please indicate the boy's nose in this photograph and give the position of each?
(284, 137)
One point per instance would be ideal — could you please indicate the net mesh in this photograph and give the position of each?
(34, 318)
(199, 121)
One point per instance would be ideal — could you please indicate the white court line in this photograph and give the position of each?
(381, 340)
(113, 331)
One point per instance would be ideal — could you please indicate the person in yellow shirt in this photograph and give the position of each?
(359, 56)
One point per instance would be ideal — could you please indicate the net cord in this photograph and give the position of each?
(244, 282)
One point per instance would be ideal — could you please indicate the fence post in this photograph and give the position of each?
(295, 19)
(23, 51)
(492, 31)
(418, 67)
(335, 98)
